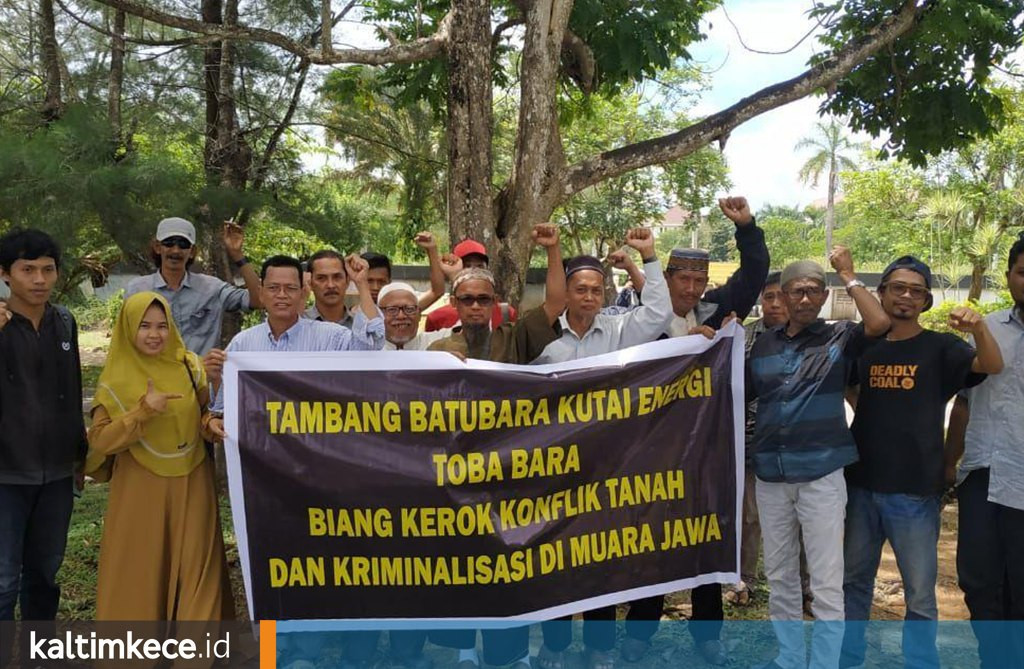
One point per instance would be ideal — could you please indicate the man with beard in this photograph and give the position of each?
(467, 254)
(798, 372)
(198, 301)
(894, 490)
(473, 298)
(399, 304)
(987, 428)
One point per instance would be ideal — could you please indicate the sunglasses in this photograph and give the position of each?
(470, 300)
(180, 242)
(898, 288)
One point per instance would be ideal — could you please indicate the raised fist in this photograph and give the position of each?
(736, 209)
(642, 240)
(544, 234)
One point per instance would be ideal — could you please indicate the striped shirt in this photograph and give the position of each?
(995, 432)
(801, 432)
(307, 335)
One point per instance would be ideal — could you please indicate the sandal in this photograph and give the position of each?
(550, 659)
(599, 659)
(738, 595)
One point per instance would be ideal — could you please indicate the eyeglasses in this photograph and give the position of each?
(408, 310)
(287, 289)
(180, 242)
(898, 288)
(470, 300)
(813, 293)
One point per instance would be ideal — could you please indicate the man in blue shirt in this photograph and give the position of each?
(987, 427)
(198, 301)
(798, 372)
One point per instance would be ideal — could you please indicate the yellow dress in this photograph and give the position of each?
(162, 552)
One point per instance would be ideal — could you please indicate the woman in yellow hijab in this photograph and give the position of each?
(162, 554)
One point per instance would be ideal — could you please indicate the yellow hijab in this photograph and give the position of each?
(171, 444)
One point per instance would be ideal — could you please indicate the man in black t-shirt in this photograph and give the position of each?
(906, 379)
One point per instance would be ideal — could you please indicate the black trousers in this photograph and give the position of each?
(990, 569)
(599, 625)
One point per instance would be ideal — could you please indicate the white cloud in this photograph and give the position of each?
(763, 163)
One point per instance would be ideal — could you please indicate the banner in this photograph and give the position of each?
(409, 485)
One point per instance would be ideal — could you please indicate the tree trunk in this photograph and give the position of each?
(978, 269)
(470, 197)
(830, 209)
(116, 77)
(538, 174)
(212, 12)
(53, 106)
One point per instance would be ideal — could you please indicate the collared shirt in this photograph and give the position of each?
(615, 332)
(680, 326)
(314, 314)
(307, 335)
(197, 307)
(801, 433)
(995, 432)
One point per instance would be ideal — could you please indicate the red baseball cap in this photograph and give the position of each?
(469, 247)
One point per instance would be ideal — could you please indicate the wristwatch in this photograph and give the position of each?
(241, 263)
(853, 283)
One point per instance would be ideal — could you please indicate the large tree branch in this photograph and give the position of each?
(409, 52)
(677, 145)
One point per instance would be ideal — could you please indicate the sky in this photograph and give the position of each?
(760, 153)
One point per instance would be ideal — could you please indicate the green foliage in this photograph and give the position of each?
(633, 40)
(881, 215)
(399, 151)
(791, 235)
(597, 219)
(68, 179)
(938, 317)
(264, 238)
(928, 90)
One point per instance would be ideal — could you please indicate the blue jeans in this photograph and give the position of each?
(34, 523)
(911, 525)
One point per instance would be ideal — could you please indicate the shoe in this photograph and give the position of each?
(713, 652)
(633, 650)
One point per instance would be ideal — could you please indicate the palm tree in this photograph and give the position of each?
(828, 143)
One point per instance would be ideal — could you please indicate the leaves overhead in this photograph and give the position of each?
(929, 91)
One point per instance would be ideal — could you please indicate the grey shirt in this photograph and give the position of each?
(995, 432)
(614, 332)
(197, 307)
(313, 314)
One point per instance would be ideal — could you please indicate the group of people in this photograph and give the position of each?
(817, 491)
